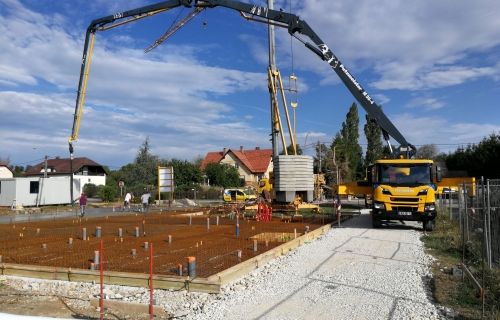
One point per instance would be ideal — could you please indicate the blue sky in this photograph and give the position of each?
(433, 65)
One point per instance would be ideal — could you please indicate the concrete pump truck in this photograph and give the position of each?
(401, 188)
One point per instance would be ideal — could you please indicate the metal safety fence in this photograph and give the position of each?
(476, 209)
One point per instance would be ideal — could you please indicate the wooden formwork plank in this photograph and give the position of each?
(247, 266)
(203, 285)
(110, 277)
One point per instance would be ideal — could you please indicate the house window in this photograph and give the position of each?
(236, 165)
(34, 186)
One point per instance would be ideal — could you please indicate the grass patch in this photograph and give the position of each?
(445, 244)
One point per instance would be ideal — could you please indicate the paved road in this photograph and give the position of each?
(71, 213)
(353, 272)
(57, 214)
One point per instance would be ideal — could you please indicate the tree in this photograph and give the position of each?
(107, 193)
(140, 174)
(90, 190)
(347, 146)
(374, 148)
(146, 166)
(339, 161)
(478, 160)
(223, 175)
(427, 151)
(186, 174)
(321, 156)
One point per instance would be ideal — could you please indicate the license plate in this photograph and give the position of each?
(404, 213)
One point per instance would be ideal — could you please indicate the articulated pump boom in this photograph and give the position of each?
(250, 12)
(291, 22)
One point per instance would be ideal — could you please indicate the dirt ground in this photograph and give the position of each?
(60, 243)
(215, 247)
(13, 301)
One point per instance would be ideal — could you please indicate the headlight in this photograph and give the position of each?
(430, 207)
(422, 192)
(378, 205)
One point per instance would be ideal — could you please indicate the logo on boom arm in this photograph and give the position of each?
(334, 63)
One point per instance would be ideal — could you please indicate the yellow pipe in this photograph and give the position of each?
(272, 85)
(84, 88)
(285, 106)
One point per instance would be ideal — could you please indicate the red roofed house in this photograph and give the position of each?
(252, 164)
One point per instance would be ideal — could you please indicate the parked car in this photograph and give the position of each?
(238, 195)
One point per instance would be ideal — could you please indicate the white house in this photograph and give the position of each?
(37, 191)
(38, 188)
(5, 172)
(87, 170)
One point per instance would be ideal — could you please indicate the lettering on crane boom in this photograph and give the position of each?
(331, 58)
(258, 10)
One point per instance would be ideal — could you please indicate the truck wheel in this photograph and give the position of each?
(428, 225)
(376, 223)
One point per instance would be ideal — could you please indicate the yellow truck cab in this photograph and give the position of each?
(399, 189)
(238, 195)
(404, 189)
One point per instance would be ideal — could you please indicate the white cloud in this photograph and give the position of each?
(410, 45)
(426, 103)
(381, 99)
(169, 95)
(437, 77)
(177, 97)
(440, 131)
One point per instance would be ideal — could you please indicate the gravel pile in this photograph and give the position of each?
(354, 272)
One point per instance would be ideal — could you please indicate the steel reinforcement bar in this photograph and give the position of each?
(211, 284)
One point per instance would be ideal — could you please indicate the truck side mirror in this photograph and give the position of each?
(439, 175)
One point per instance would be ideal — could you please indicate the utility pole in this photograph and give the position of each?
(45, 167)
(272, 66)
(319, 152)
(335, 164)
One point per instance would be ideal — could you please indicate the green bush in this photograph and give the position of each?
(107, 193)
(90, 190)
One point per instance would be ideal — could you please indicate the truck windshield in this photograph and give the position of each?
(405, 174)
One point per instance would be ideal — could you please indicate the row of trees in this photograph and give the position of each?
(477, 160)
(142, 174)
(482, 159)
(345, 161)
(345, 156)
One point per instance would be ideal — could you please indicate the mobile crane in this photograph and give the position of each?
(417, 200)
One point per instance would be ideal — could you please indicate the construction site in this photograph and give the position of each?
(362, 228)
(215, 242)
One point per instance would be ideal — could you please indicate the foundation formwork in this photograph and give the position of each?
(126, 239)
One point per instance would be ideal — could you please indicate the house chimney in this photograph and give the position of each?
(241, 148)
(257, 148)
(224, 151)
